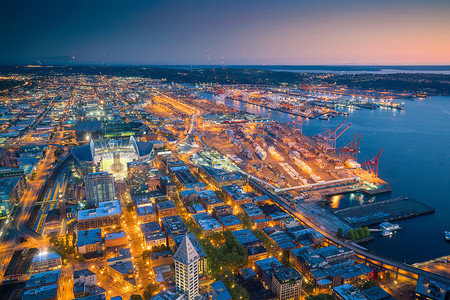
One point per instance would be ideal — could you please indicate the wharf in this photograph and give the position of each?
(383, 211)
(377, 190)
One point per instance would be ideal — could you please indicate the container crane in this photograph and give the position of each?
(372, 165)
(350, 151)
(297, 125)
(327, 139)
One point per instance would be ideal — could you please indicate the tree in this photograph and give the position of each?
(351, 234)
(147, 295)
(339, 232)
(367, 284)
(361, 232)
(366, 232)
(152, 288)
(136, 297)
(130, 207)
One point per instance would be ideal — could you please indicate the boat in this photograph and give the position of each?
(386, 233)
(447, 235)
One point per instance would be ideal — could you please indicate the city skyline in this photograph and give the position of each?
(231, 33)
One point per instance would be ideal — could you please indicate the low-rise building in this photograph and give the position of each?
(153, 235)
(377, 293)
(45, 261)
(89, 241)
(221, 177)
(107, 214)
(306, 259)
(337, 256)
(162, 258)
(246, 238)
(166, 209)
(209, 200)
(235, 195)
(252, 211)
(85, 276)
(222, 210)
(207, 223)
(172, 226)
(347, 292)
(43, 285)
(265, 267)
(281, 239)
(145, 213)
(115, 239)
(121, 269)
(219, 291)
(427, 289)
(231, 222)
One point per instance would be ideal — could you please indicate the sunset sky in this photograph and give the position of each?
(295, 32)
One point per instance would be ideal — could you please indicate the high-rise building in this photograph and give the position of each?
(99, 187)
(186, 269)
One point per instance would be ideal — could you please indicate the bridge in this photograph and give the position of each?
(362, 255)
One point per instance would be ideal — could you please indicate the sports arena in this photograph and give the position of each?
(113, 155)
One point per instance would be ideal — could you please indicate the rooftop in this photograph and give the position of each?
(89, 237)
(83, 272)
(186, 252)
(42, 256)
(349, 292)
(219, 290)
(108, 208)
(268, 263)
(229, 220)
(245, 237)
(174, 225)
(43, 278)
(115, 235)
(286, 274)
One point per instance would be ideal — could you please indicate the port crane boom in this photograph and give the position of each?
(327, 139)
(350, 151)
(372, 165)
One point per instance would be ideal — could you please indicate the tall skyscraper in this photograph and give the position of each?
(186, 269)
(99, 187)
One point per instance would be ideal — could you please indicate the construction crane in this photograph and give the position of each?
(371, 166)
(350, 151)
(327, 139)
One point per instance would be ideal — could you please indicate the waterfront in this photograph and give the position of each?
(415, 162)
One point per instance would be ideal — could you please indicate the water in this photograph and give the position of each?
(415, 162)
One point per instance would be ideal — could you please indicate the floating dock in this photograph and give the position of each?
(383, 211)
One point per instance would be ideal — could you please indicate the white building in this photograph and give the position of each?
(45, 261)
(99, 187)
(85, 276)
(186, 269)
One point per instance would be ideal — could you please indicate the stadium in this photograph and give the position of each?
(113, 155)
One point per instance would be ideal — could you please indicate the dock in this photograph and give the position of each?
(383, 211)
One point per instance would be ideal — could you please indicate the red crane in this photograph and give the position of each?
(372, 165)
(327, 139)
(350, 151)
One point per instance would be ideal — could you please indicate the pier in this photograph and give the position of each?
(383, 211)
